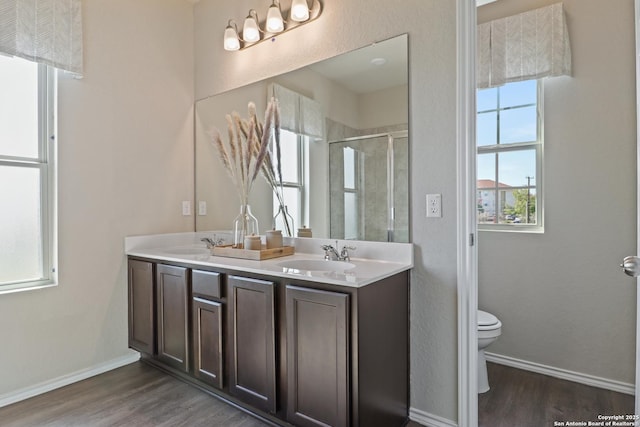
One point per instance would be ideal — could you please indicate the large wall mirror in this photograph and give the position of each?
(346, 169)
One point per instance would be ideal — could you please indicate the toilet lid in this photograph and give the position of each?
(486, 319)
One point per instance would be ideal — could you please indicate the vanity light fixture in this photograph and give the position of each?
(275, 24)
(301, 12)
(231, 39)
(250, 29)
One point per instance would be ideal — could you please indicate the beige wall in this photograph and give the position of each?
(125, 155)
(561, 296)
(344, 26)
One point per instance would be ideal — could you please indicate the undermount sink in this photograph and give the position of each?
(185, 250)
(316, 265)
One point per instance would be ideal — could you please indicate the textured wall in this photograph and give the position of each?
(561, 296)
(344, 26)
(125, 162)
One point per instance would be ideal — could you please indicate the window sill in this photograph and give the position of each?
(512, 229)
(26, 286)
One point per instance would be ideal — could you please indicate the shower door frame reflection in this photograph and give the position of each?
(387, 223)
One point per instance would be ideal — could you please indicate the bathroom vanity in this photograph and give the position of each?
(315, 345)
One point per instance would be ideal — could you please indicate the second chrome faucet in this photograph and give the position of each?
(331, 253)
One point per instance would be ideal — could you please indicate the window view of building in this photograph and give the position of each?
(509, 164)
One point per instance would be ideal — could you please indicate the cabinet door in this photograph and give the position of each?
(141, 307)
(252, 363)
(207, 341)
(317, 357)
(173, 316)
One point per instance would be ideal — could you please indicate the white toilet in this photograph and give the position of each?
(489, 329)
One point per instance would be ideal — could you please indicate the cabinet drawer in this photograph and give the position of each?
(205, 284)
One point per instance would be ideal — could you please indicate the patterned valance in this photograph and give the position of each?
(298, 113)
(530, 45)
(43, 31)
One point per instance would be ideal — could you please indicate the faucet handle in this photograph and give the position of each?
(344, 253)
(329, 252)
(211, 243)
(208, 241)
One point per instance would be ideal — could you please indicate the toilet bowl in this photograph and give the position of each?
(489, 329)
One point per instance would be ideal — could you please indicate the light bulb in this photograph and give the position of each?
(231, 41)
(274, 19)
(299, 10)
(250, 30)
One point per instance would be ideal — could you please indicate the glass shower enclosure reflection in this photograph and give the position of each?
(370, 174)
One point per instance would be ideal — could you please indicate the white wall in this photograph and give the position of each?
(125, 164)
(385, 107)
(344, 26)
(561, 296)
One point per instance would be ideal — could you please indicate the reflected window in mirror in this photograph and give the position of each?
(509, 141)
(351, 211)
(293, 161)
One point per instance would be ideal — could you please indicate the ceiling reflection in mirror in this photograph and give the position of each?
(344, 145)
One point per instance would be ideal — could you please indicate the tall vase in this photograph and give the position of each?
(245, 224)
(284, 221)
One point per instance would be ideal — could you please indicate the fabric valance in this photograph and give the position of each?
(298, 113)
(43, 31)
(530, 45)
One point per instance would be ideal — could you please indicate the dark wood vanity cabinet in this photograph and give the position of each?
(173, 316)
(317, 357)
(347, 353)
(141, 290)
(252, 348)
(207, 341)
(293, 351)
(207, 333)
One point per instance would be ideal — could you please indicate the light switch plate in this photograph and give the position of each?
(186, 208)
(202, 208)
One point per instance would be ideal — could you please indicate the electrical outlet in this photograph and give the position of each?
(202, 208)
(186, 208)
(434, 205)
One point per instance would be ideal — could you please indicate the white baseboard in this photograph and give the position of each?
(563, 374)
(429, 420)
(26, 393)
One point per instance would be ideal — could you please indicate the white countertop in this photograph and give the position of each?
(372, 261)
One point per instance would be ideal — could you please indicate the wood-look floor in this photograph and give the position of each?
(133, 395)
(141, 395)
(526, 399)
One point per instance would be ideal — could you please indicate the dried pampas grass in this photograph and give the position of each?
(244, 154)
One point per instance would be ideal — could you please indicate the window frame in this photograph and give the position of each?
(300, 186)
(538, 147)
(46, 163)
(356, 190)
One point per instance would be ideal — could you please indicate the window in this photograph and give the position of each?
(351, 181)
(509, 141)
(26, 174)
(292, 153)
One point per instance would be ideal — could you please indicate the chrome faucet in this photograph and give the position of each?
(211, 243)
(331, 253)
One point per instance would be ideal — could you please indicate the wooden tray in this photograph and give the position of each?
(230, 252)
